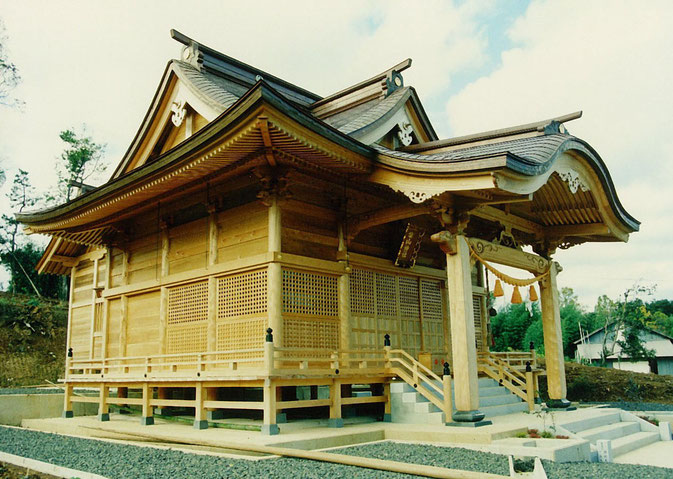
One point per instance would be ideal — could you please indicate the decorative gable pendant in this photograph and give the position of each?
(179, 112)
(405, 133)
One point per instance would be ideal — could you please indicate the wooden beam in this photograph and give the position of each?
(494, 214)
(263, 125)
(66, 261)
(515, 258)
(576, 230)
(383, 216)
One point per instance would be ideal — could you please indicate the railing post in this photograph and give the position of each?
(530, 387)
(68, 363)
(67, 401)
(268, 352)
(386, 351)
(335, 361)
(448, 398)
(533, 354)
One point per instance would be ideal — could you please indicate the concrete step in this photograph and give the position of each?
(492, 411)
(492, 391)
(498, 400)
(425, 407)
(633, 441)
(411, 418)
(412, 396)
(610, 431)
(590, 422)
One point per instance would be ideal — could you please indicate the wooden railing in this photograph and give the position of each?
(520, 381)
(433, 388)
(515, 359)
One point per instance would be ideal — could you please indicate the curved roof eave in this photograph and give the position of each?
(260, 93)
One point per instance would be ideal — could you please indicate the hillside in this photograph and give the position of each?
(32, 340)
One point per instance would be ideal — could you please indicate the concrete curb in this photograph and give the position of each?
(46, 468)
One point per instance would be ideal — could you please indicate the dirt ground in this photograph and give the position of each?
(596, 384)
(9, 471)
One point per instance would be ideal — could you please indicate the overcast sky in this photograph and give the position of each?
(477, 66)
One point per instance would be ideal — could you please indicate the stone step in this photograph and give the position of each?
(492, 411)
(633, 441)
(493, 391)
(499, 400)
(591, 422)
(425, 407)
(411, 418)
(610, 431)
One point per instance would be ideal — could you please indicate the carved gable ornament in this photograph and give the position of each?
(179, 111)
(574, 181)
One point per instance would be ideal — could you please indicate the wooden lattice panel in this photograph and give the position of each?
(241, 334)
(187, 338)
(386, 296)
(477, 308)
(410, 326)
(311, 333)
(241, 295)
(433, 315)
(362, 292)
(188, 303)
(310, 294)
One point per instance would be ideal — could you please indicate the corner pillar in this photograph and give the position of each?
(463, 346)
(553, 339)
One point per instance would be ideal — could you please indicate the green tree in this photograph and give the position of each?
(80, 159)
(9, 73)
(510, 325)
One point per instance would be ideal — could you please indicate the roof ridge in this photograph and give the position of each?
(550, 126)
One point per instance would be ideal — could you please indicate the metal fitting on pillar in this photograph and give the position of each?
(386, 340)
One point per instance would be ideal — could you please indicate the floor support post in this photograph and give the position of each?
(270, 427)
(103, 407)
(147, 418)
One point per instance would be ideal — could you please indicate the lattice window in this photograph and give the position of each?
(433, 315)
(477, 308)
(188, 303)
(186, 338)
(310, 294)
(362, 292)
(242, 294)
(386, 295)
(311, 333)
(241, 334)
(410, 326)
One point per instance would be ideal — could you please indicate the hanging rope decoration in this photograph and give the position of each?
(515, 282)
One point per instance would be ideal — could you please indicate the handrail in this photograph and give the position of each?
(522, 384)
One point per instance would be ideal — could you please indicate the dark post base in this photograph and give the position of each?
(387, 418)
(147, 421)
(203, 424)
(68, 414)
(558, 403)
(104, 417)
(216, 414)
(270, 429)
(469, 424)
(281, 418)
(468, 416)
(335, 422)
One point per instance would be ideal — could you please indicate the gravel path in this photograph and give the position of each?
(120, 461)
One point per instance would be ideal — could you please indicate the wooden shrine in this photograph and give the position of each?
(257, 241)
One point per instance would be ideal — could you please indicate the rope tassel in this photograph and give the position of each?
(532, 294)
(497, 290)
(516, 296)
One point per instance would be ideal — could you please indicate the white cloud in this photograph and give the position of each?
(611, 60)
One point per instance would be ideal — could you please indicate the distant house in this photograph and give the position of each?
(589, 348)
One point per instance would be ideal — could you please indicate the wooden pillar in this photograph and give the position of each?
(344, 295)
(125, 267)
(106, 303)
(275, 274)
(163, 320)
(212, 235)
(123, 326)
(335, 419)
(387, 415)
(212, 314)
(200, 421)
(67, 401)
(270, 427)
(68, 339)
(92, 326)
(464, 351)
(165, 248)
(553, 339)
(103, 407)
(147, 418)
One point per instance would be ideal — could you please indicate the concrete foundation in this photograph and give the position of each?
(16, 407)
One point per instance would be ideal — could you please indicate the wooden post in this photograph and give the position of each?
(125, 267)
(269, 362)
(163, 320)
(335, 419)
(147, 418)
(553, 339)
(123, 326)
(200, 421)
(530, 388)
(68, 345)
(67, 401)
(387, 415)
(463, 345)
(212, 235)
(212, 314)
(448, 396)
(270, 427)
(103, 407)
(106, 302)
(275, 274)
(92, 326)
(165, 247)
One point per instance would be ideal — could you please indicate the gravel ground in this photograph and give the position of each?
(636, 406)
(30, 391)
(121, 461)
